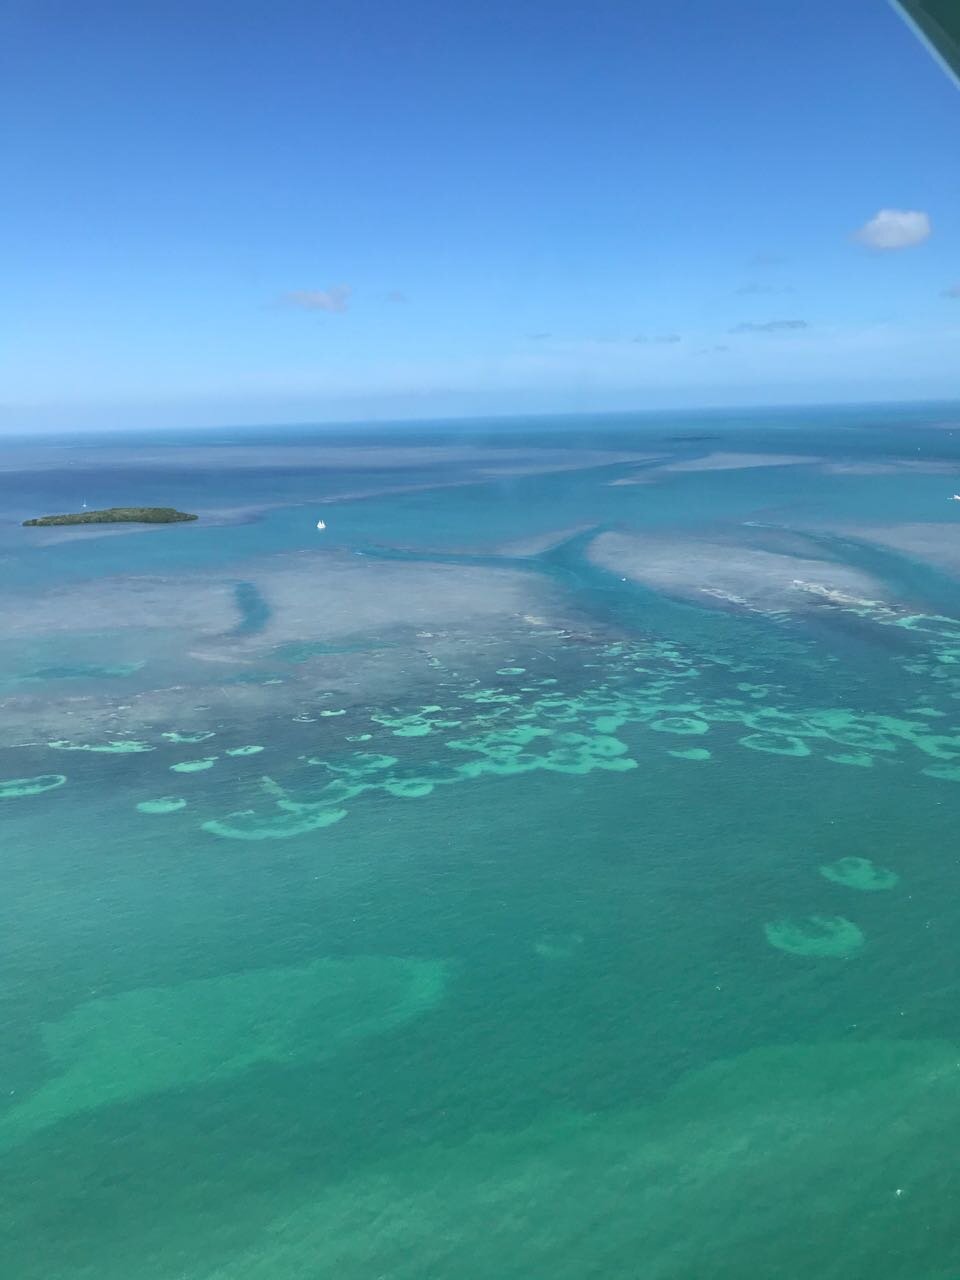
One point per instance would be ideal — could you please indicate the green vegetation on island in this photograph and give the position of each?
(118, 515)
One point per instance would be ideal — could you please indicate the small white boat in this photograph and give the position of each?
(955, 498)
(321, 524)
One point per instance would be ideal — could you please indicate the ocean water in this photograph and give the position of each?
(549, 870)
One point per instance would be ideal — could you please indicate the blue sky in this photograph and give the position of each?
(285, 211)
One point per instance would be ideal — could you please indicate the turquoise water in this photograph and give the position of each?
(571, 920)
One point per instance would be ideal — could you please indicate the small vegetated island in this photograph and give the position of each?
(118, 515)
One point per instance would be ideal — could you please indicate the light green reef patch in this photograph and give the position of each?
(248, 824)
(165, 804)
(853, 757)
(869, 732)
(416, 725)
(409, 789)
(949, 773)
(859, 873)
(680, 724)
(490, 697)
(332, 793)
(364, 763)
(774, 720)
(502, 753)
(201, 736)
(288, 816)
(939, 745)
(725, 1166)
(194, 766)
(10, 788)
(119, 1048)
(776, 744)
(691, 753)
(512, 739)
(561, 710)
(252, 750)
(815, 936)
(120, 748)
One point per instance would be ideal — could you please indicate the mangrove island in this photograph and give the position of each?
(118, 515)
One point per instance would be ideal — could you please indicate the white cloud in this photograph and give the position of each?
(336, 298)
(895, 229)
(770, 326)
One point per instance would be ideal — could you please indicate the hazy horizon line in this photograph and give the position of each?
(457, 419)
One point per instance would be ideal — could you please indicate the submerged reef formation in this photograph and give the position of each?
(116, 515)
(194, 766)
(11, 787)
(165, 804)
(149, 1040)
(815, 936)
(775, 1129)
(860, 873)
(613, 703)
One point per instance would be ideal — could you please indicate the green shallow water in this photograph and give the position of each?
(622, 946)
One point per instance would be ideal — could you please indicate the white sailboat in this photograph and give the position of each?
(321, 524)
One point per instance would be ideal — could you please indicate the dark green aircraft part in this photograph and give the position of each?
(938, 23)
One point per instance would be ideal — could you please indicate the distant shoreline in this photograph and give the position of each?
(116, 515)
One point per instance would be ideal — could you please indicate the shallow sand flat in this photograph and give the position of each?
(538, 543)
(937, 543)
(407, 617)
(642, 477)
(740, 461)
(346, 681)
(308, 595)
(724, 1167)
(581, 462)
(245, 514)
(320, 596)
(727, 572)
(47, 536)
(191, 605)
(470, 477)
(889, 467)
(388, 490)
(377, 457)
